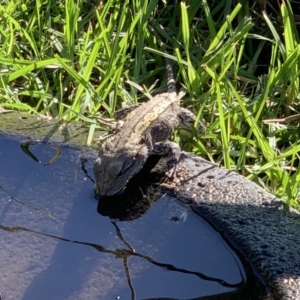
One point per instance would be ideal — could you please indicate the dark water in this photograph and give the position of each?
(60, 244)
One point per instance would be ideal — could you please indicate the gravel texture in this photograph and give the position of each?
(265, 229)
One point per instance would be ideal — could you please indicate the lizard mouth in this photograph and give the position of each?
(117, 192)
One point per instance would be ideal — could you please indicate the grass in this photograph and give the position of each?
(239, 66)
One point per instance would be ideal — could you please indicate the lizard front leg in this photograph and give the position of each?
(172, 150)
(116, 124)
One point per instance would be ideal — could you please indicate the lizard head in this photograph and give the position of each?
(113, 169)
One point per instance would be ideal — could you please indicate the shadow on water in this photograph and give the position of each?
(58, 242)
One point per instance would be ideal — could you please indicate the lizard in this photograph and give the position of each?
(144, 131)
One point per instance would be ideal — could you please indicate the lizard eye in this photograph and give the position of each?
(120, 173)
(124, 169)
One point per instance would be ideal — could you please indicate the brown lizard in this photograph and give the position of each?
(145, 131)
